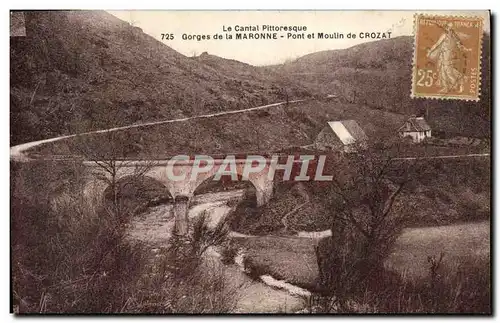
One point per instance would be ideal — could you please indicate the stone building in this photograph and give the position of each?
(344, 136)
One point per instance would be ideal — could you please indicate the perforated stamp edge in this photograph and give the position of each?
(415, 95)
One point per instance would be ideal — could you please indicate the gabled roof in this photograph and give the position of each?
(348, 131)
(415, 124)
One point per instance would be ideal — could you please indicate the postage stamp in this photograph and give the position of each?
(447, 57)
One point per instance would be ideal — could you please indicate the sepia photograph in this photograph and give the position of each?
(250, 162)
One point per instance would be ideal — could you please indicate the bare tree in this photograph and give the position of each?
(108, 151)
(367, 216)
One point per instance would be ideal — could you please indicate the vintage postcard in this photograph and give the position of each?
(228, 162)
(447, 57)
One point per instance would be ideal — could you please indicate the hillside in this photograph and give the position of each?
(249, 73)
(267, 130)
(77, 71)
(85, 70)
(378, 74)
(444, 192)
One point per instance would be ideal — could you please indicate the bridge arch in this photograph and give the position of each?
(180, 191)
(133, 192)
(240, 197)
(263, 186)
(225, 184)
(209, 184)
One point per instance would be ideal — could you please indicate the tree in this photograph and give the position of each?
(109, 151)
(366, 217)
(185, 252)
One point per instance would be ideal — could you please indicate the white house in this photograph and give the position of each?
(416, 128)
(344, 135)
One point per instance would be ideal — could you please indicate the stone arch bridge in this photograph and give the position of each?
(182, 177)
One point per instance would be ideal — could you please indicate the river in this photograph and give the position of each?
(266, 295)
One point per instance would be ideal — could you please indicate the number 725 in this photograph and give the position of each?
(167, 36)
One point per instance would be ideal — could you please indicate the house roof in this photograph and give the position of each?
(415, 124)
(348, 131)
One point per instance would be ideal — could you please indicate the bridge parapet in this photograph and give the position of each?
(182, 175)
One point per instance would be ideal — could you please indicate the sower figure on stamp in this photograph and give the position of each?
(448, 52)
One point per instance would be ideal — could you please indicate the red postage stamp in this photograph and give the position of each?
(447, 57)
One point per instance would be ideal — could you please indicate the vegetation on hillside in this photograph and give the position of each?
(70, 253)
(260, 131)
(378, 74)
(366, 207)
(75, 67)
(443, 191)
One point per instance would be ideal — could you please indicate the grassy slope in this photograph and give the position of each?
(115, 74)
(458, 242)
(284, 258)
(378, 74)
(82, 70)
(446, 191)
(294, 259)
(258, 131)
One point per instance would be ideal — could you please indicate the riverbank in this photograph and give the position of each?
(293, 259)
(277, 265)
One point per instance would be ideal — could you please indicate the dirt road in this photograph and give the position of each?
(18, 152)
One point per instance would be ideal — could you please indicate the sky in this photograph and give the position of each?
(265, 51)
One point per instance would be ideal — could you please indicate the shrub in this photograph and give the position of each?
(182, 279)
(460, 287)
(201, 290)
(71, 257)
(186, 252)
(228, 252)
(67, 257)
